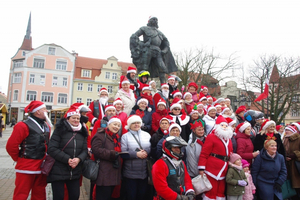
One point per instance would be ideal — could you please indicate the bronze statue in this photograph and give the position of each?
(153, 54)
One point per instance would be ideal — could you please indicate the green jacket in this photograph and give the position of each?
(232, 177)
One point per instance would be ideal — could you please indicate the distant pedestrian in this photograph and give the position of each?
(13, 122)
(1, 125)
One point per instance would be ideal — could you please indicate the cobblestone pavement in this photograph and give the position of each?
(7, 173)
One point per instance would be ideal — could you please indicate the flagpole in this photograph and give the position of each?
(268, 97)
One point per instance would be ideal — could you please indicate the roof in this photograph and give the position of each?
(274, 78)
(89, 63)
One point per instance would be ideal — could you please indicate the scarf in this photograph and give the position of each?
(238, 167)
(140, 113)
(75, 128)
(188, 102)
(115, 137)
(270, 136)
(162, 113)
(200, 140)
(148, 97)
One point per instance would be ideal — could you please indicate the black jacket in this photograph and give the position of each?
(76, 148)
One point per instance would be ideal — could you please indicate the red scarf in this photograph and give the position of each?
(115, 138)
(199, 142)
(148, 97)
(162, 113)
(270, 136)
(140, 113)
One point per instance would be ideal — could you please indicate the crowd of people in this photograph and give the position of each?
(151, 142)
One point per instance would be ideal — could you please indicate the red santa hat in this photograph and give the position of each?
(209, 97)
(131, 119)
(83, 108)
(162, 102)
(107, 107)
(197, 123)
(199, 104)
(217, 105)
(291, 128)
(221, 120)
(224, 109)
(145, 87)
(103, 90)
(118, 100)
(242, 126)
(175, 105)
(114, 119)
(173, 125)
(164, 85)
(241, 109)
(210, 107)
(123, 80)
(131, 70)
(230, 121)
(278, 127)
(297, 124)
(34, 106)
(186, 93)
(202, 98)
(177, 100)
(266, 124)
(203, 87)
(151, 82)
(175, 93)
(73, 110)
(193, 84)
(219, 100)
(168, 118)
(227, 99)
(194, 110)
(142, 100)
(171, 77)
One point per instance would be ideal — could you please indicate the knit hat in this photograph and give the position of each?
(131, 119)
(297, 124)
(186, 93)
(34, 106)
(114, 119)
(102, 90)
(173, 125)
(266, 124)
(242, 126)
(245, 163)
(73, 110)
(107, 107)
(291, 128)
(193, 84)
(240, 109)
(164, 85)
(171, 77)
(278, 127)
(161, 102)
(131, 69)
(118, 100)
(230, 121)
(234, 157)
(175, 93)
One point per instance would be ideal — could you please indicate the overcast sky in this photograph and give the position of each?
(101, 28)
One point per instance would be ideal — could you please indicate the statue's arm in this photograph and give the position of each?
(139, 32)
(165, 44)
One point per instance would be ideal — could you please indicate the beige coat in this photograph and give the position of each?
(128, 102)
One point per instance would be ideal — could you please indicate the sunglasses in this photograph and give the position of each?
(176, 109)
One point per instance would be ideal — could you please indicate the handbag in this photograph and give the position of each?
(297, 164)
(48, 162)
(201, 184)
(287, 189)
(90, 168)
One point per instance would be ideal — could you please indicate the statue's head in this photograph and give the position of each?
(153, 22)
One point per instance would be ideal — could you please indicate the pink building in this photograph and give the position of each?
(44, 73)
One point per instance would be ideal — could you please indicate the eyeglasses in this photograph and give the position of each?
(176, 109)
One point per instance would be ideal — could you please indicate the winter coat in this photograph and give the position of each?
(267, 171)
(244, 146)
(294, 152)
(134, 167)
(122, 116)
(232, 177)
(248, 195)
(156, 117)
(234, 143)
(156, 137)
(209, 123)
(193, 151)
(183, 121)
(189, 107)
(107, 175)
(239, 120)
(195, 97)
(260, 139)
(77, 148)
(128, 102)
(146, 119)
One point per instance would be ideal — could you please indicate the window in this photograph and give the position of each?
(23, 53)
(38, 63)
(61, 65)
(16, 94)
(54, 80)
(109, 89)
(42, 79)
(295, 112)
(65, 81)
(79, 100)
(114, 76)
(47, 97)
(62, 98)
(17, 63)
(31, 95)
(31, 78)
(296, 98)
(17, 77)
(80, 86)
(99, 88)
(51, 51)
(107, 75)
(88, 101)
(86, 73)
(90, 87)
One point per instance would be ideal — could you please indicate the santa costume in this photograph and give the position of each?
(214, 158)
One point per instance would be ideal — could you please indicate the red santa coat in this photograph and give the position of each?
(215, 167)
(90, 114)
(156, 117)
(24, 165)
(160, 172)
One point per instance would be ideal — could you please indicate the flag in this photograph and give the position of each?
(265, 93)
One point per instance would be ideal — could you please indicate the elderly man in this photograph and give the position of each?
(163, 94)
(27, 146)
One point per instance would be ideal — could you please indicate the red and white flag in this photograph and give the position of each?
(265, 93)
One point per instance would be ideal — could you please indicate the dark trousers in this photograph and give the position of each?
(104, 192)
(136, 188)
(73, 189)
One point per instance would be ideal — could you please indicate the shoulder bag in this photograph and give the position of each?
(201, 184)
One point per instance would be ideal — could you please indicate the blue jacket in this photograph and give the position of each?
(267, 171)
(147, 119)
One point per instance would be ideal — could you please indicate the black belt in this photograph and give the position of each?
(224, 158)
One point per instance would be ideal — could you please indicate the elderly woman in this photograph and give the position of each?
(291, 144)
(106, 146)
(159, 113)
(137, 143)
(210, 119)
(126, 95)
(267, 131)
(244, 144)
(188, 101)
(68, 146)
(269, 172)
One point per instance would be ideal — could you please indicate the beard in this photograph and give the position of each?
(222, 133)
(103, 100)
(47, 119)
(165, 93)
